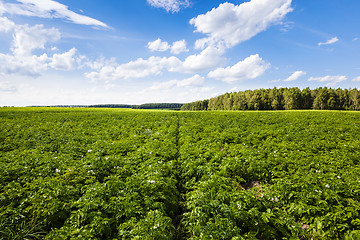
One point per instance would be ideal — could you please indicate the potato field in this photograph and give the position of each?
(139, 174)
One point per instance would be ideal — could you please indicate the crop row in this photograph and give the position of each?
(271, 175)
(87, 175)
(110, 174)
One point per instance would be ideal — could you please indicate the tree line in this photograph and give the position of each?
(170, 106)
(281, 99)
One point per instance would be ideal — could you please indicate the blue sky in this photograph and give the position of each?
(141, 51)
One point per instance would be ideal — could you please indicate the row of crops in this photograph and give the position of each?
(134, 174)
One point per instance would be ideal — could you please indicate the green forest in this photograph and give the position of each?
(282, 99)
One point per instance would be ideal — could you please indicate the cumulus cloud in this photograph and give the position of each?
(330, 80)
(210, 57)
(170, 5)
(26, 38)
(225, 26)
(179, 47)
(65, 61)
(357, 79)
(232, 24)
(330, 41)
(158, 45)
(139, 68)
(23, 65)
(154, 66)
(48, 9)
(6, 25)
(250, 68)
(195, 80)
(296, 75)
(162, 46)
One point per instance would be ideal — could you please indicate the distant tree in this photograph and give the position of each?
(343, 98)
(276, 98)
(306, 99)
(292, 98)
(265, 99)
(355, 99)
(321, 99)
(332, 102)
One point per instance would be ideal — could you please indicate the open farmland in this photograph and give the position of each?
(135, 174)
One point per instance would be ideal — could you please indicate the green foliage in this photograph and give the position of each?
(282, 98)
(126, 174)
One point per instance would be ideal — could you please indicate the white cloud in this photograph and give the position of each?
(136, 69)
(99, 63)
(296, 75)
(210, 57)
(23, 65)
(6, 25)
(158, 45)
(194, 81)
(330, 41)
(357, 79)
(250, 68)
(330, 80)
(233, 24)
(154, 66)
(65, 61)
(7, 87)
(26, 38)
(179, 47)
(2, 8)
(48, 9)
(170, 5)
(203, 42)
(162, 46)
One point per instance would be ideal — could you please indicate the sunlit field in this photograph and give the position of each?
(139, 174)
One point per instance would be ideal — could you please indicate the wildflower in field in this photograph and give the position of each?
(57, 170)
(275, 199)
(151, 181)
(327, 186)
(338, 177)
(90, 150)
